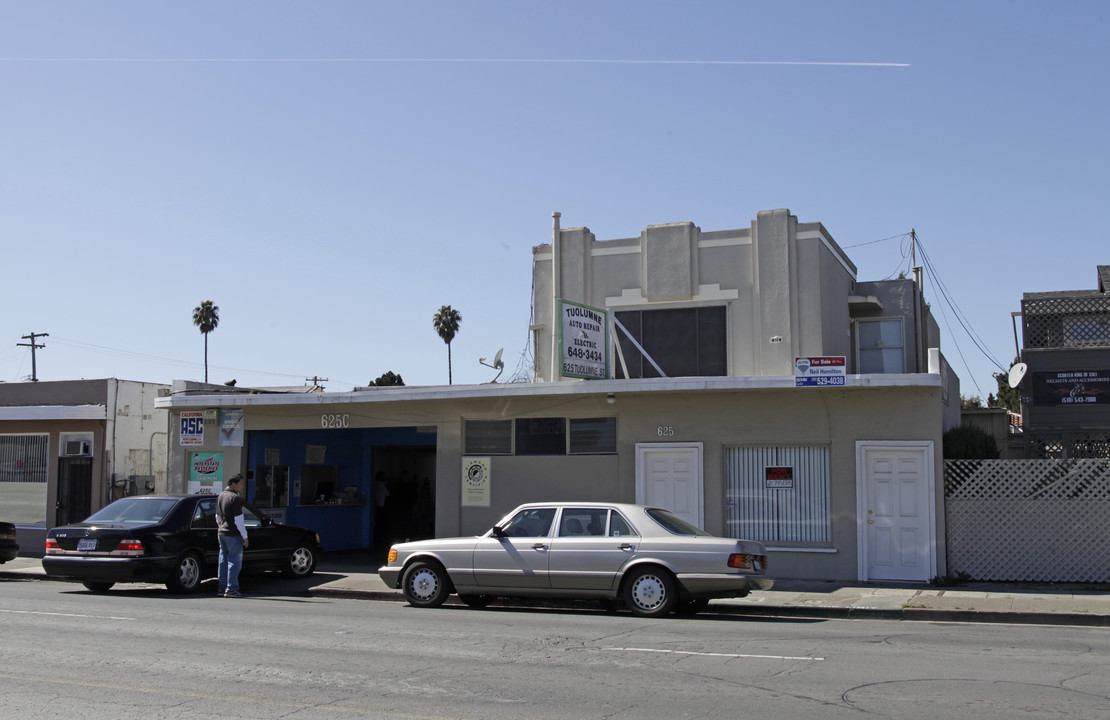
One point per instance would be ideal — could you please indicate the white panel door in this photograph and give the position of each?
(669, 475)
(897, 515)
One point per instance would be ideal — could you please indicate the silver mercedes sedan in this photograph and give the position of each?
(649, 558)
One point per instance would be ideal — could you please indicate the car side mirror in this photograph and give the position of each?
(497, 532)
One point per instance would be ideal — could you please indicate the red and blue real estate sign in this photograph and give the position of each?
(822, 371)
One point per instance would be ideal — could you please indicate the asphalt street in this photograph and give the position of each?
(140, 652)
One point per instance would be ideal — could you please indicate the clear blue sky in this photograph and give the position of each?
(331, 173)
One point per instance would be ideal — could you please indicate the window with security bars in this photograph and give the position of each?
(24, 470)
(778, 494)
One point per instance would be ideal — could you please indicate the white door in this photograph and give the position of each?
(896, 511)
(669, 475)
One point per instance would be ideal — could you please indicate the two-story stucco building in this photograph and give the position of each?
(701, 396)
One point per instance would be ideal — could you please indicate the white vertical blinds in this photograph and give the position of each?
(764, 506)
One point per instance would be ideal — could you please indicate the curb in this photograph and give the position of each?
(762, 611)
(816, 613)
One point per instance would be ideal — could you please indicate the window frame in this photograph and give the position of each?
(882, 346)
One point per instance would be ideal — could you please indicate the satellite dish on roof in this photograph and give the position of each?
(1017, 372)
(496, 365)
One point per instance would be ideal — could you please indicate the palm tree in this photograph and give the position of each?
(446, 323)
(206, 316)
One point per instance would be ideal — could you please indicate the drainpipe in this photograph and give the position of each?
(110, 443)
(918, 292)
(556, 293)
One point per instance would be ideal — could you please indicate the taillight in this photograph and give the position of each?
(52, 546)
(743, 561)
(740, 561)
(130, 546)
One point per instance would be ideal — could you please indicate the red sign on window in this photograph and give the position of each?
(779, 477)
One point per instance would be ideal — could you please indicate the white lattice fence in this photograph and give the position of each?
(1029, 520)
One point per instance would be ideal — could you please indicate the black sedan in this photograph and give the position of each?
(170, 539)
(9, 549)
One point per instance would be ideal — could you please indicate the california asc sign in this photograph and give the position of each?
(192, 428)
(584, 338)
(824, 371)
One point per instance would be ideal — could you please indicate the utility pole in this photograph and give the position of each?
(33, 346)
(316, 380)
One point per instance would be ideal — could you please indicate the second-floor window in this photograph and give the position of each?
(684, 342)
(881, 347)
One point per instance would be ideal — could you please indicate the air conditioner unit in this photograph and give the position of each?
(78, 447)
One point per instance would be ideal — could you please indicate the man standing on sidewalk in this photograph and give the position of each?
(232, 531)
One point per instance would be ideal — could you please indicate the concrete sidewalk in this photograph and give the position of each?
(353, 575)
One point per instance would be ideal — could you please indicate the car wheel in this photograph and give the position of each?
(98, 587)
(477, 601)
(301, 563)
(425, 584)
(650, 592)
(691, 607)
(186, 575)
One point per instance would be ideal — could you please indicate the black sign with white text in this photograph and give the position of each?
(1074, 388)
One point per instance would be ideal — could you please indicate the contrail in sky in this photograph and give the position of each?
(549, 61)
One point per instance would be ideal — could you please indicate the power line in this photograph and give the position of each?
(874, 242)
(960, 317)
(163, 360)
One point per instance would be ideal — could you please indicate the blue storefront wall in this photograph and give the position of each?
(351, 451)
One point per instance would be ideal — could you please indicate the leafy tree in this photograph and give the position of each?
(969, 443)
(973, 401)
(1008, 397)
(446, 322)
(206, 316)
(387, 379)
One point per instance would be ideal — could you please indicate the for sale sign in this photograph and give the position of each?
(825, 371)
(192, 428)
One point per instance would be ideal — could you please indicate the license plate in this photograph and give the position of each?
(86, 544)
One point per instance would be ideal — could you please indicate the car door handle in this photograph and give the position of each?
(539, 546)
(627, 546)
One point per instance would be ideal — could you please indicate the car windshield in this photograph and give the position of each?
(673, 523)
(134, 511)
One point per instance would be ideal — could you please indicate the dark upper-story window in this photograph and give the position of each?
(684, 342)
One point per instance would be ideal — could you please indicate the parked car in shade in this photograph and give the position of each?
(647, 557)
(9, 548)
(170, 539)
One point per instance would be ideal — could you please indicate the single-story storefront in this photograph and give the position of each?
(841, 483)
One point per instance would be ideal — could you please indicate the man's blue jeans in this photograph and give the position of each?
(231, 561)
